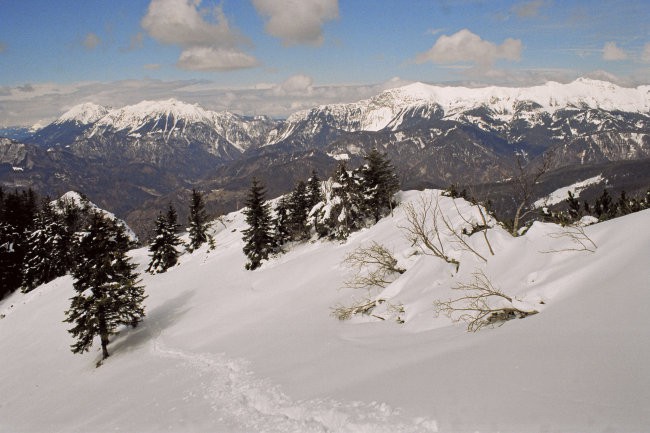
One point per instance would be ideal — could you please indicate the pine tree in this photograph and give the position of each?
(17, 216)
(380, 184)
(47, 249)
(257, 237)
(299, 206)
(281, 231)
(10, 259)
(198, 229)
(575, 212)
(603, 206)
(346, 203)
(163, 250)
(107, 288)
(314, 191)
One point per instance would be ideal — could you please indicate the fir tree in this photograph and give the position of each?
(257, 237)
(10, 259)
(575, 212)
(299, 206)
(314, 191)
(17, 215)
(603, 206)
(198, 229)
(163, 250)
(281, 222)
(107, 288)
(346, 203)
(380, 184)
(47, 249)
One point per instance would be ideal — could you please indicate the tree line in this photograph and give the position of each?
(346, 202)
(41, 240)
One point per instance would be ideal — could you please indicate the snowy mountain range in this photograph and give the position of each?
(434, 135)
(222, 349)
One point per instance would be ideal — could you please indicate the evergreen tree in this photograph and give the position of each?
(258, 236)
(623, 205)
(107, 288)
(10, 259)
(575, 212)
(603, 206)
(346, 203)
(299, 206)
(281, 222)
(314, 191)
(198, 229)
(163, 250)
(380, 184)
(17, 215)
(47, 249)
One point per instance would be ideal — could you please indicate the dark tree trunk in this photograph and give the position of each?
(103, 332)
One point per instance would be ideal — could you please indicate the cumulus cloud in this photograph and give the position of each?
(295, 85)
(208, 45)
(645, 54)
(214, 59)
(467, 47)
(297, 21)
(91, 41)
(611, 52)
(529, 9)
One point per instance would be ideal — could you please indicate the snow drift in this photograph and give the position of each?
(227, 350)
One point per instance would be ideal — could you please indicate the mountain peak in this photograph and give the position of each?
(84, 113)
(134, 116)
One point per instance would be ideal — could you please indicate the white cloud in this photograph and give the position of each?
(214, 59)
(645, 54)
(295, 85)
(208, 45)
(611, 52)
(467, 47)
(46, 101)
(297, 21)
(528, 9)
(91, 41)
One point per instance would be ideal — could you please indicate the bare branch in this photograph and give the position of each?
(375, 266)
(480, 305)
(366, 307)
(423, 227)
(576, 234)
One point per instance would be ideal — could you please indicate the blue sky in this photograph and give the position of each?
(277, 56)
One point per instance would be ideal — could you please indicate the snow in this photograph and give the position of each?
(561, 194)
(84, 114)
(133, 117)
(75, 197)
(228, 350)
(387, 109)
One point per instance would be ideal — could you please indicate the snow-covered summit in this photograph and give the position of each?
(387, 109)
(133, 117)
(83, 114)
(582, 93)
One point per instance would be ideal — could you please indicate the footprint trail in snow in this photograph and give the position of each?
(248, 403)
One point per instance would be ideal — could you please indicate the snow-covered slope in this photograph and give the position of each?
(74, 198)
(227, 350)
